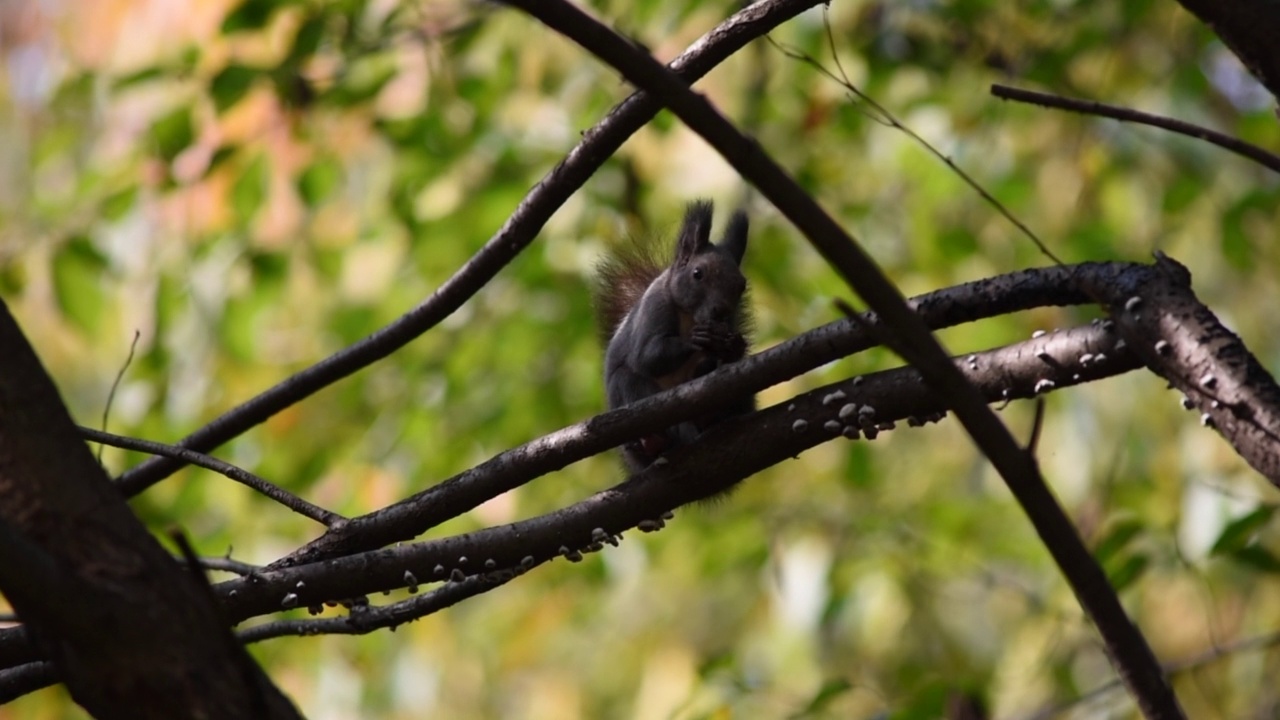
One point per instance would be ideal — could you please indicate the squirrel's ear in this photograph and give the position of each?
(734, 241)
(695, 232)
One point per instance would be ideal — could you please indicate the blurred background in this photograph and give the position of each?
(247, 187)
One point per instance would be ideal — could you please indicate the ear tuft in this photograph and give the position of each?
(695, 231)
(734, 241)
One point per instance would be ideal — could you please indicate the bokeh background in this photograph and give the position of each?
(249, 187)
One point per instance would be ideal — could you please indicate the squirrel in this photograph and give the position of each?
(667, 322)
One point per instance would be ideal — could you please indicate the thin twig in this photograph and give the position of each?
(111, 396)
(1129, 650)
(1253, 644)
(328, 518)
(225, 564)
(598, 145)
(891, 120)
(1266, 159)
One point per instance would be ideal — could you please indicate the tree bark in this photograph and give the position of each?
(130, 631)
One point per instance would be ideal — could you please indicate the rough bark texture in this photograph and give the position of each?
(131, 632)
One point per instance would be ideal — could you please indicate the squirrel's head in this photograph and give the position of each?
(705, 279)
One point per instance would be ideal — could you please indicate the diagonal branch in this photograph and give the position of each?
(905, 333)
(328, 518)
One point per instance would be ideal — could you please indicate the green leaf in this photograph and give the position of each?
(307, 40)
(249, 15)
(1128, 571)
(13, 278)
(239, 326)
(77, 282)
(139, 77)
(173, 133)
(230, 85)
(115, 205)
(364, 79)
(829, 691)
(220, 156)
(1257, 557)
(1116, 539)
(1240, 532)
(319, 180)
(250, 190)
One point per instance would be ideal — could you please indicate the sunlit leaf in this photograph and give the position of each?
(1127, 572)
(231, 84)
(829, 691)
(319, 180)
(1116, 539)
(115, 205)
(1241, 531)
(78, 270)
(173, 133)
(250, 189)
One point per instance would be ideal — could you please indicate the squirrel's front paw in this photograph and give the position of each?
(720, 342)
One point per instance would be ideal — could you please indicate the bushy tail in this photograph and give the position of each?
(621, 278)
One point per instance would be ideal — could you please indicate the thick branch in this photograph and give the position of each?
(132, 633)
(1183, 341)
(944, 308)
(724, 455)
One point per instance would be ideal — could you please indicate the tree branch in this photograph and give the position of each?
(1266, 159)
(598, 144)
(905, 334)
(362, 620)
(328, 518)
(102, 600)
(418, 513)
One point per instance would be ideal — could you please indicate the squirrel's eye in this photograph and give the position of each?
(697, 273)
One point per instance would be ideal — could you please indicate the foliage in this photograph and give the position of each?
(254, 186)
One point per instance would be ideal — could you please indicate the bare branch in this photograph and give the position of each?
(418, 513)
(732, 450)
(1266, 159)
(364, 619)
(1184, 342)
(327, 518)
(1252, 644)
(111, 395)
(909, 337)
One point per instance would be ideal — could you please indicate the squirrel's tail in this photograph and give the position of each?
(621, 278)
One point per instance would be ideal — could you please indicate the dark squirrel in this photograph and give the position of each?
(665, 322)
